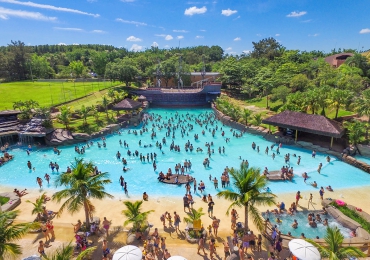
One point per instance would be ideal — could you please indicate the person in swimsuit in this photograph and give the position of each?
(163, 245)
(45, 232)
(50, 227)
(201, 244)
(77, 227)
(176, 221)
(106, 224)
(212, 247)
(215, 224)
(41, 249)
(252, 241)
(47, 177)
(39, 181)
(166, 254)
(226, 250)
(245, 242)
(106, 250)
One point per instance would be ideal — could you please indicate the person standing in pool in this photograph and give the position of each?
(122, 181)
(29, 165)
(39, 181)
(47, 177)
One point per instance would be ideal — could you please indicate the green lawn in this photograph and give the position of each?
(3, 200)
(47, 93)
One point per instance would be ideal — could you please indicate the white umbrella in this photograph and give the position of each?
(128, 253)
(176, 257)
(304, 250)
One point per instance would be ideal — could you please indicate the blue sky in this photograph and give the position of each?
(231, 24)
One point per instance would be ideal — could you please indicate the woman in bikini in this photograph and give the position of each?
(106, 224)
(45, 232)
(50, 227)
(215, 224)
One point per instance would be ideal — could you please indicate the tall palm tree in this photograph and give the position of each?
(66, 252)
(38, 206)
(356, 131)
(339, 98)
(9, 234)
(246, 114)
(195, 214)
(81, 186)
(333, 249)
(249, 193)
(84, 112)
(257, 119)
(65, 116)
(362, 106)
(105, 103)
(134, 215)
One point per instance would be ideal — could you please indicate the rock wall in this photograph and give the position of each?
(354, 162)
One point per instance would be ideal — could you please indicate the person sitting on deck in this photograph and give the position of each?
(176, 180)
(329, 188)
(161, 176)
(314, 184)
(281, 206)
(265, 171)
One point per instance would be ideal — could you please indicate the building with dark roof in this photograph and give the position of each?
(338, 59)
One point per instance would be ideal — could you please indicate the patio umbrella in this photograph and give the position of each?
(304, 250)
(176, 257)
(33, 257)
(128, 253)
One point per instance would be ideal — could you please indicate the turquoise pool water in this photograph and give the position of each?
(303, 227)
(141, 176)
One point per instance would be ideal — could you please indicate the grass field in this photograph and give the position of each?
(47, 93)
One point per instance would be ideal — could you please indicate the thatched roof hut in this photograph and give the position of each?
(314, 124)
(142, 98)
(127, 104)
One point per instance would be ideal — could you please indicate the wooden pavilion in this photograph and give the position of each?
(309, 123)
(127, 104)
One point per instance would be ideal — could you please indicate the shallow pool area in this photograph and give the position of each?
(303, 227)
(141, 176)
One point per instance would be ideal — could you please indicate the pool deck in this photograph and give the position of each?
(182, 179)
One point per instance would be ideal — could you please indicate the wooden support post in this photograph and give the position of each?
(296, 135)
(331, 142)
(270, 129)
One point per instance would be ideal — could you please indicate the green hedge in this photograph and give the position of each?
(353, 215)
(3, 200)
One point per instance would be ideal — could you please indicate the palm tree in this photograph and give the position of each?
(66, 252)
(249, 185)
(134, 215)
(195, 214)
(356, 131)
(339, 98)
(105, 103)
(246, 113)
(84, 112)
(258, 119)
(362, 106)
(38, 206)
(95, 113)
(11, 233)
(65, 116)
(333, 249)
(81, 186)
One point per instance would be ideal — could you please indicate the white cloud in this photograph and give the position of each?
(296, 14)
(68, 29)
(127, 1)
(49, 7)
(131, 22)
(133, 39)
(155, 45)
(202, 30)
(237, 39)
(366, 30)
(61, 43)
(75, 44)
(259, 35)
(232, 52)
(180, 37)
(199, 37)
(98, 31)
(228, 49)
(306, 21)
(246, 51)
(228, 12)
(277, 35)
(195, 10)
(167, 37)
(180, 31)
(313, 35)
(136, 47)
(166, 46)
(6, 13)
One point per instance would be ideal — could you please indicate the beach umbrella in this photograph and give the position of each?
(128, 253)
(303, 250)
(176, 257)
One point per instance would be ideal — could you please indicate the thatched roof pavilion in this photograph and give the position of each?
(127, 104)
(309, 123)
(142, 98)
